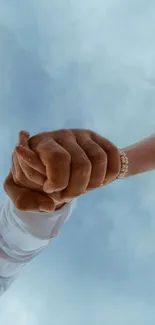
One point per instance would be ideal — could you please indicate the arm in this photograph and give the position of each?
(141, 156)
(23, 235)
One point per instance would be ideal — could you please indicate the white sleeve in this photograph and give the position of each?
(24, 235)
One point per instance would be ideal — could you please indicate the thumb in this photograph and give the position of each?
(26, 199)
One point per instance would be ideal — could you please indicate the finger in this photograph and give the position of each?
(19, 176)
(13, 170)
(98, 158)
(14, 174)
(30, 173)
(26, 153)
(30, 200)
(30, 158)
(56, 197)
(114, 162)
(80, 169)
(26, 199)
(17, 172)
(57, 162)
(24, 138)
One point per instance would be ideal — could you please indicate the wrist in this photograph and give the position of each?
(141, 157)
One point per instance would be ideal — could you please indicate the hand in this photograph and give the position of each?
(30, 177)
(26, 199)
(26, 195)
(32, 174)
(75, 161)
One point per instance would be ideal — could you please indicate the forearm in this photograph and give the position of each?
(141, 156)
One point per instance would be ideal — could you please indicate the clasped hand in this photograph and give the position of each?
(52, 168)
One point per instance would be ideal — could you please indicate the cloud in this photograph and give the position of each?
(91, 65)
(14, 312)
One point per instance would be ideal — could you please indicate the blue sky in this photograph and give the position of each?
(89, 65)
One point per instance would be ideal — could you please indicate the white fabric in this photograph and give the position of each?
(24, 235)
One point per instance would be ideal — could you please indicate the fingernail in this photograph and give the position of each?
(48, 187)
(48, 191)
(45, 209)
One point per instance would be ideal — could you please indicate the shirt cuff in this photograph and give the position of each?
(43, 225)
(30, 231)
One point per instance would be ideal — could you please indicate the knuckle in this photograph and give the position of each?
(90, 132)
(60, 156)
(83, 164)
(17, 181)
(63, 133)
(28, 173)
(99, 157)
